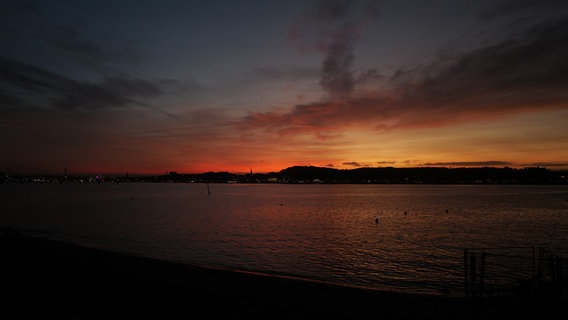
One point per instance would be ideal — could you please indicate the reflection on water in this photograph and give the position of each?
(324, 232)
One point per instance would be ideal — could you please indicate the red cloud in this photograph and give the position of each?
(525, 74)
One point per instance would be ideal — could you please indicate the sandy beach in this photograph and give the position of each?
(45, 278)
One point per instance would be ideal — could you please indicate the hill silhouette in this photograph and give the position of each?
(381, 175)
(312, 174)
(429, 175)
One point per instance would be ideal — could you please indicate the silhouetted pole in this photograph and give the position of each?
(482, 275)
(465, 273)
(473, 274)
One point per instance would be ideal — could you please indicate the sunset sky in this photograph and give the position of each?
(192, 86)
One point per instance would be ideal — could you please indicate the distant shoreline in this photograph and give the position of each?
(323, 175)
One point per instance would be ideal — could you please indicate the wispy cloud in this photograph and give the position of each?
(42, 86)
(492, 163)
(100, 58)
(353, 164)
(90, 53)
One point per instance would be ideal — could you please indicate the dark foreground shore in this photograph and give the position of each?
(44, 278)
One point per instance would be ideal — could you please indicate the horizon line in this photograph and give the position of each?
(175, 172)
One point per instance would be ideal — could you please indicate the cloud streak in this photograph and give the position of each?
(48, 88)
(89, 53)
(524, 73)
(492, 163)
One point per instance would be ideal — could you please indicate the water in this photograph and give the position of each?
(320, 232)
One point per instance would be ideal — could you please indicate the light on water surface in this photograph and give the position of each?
(395, 237)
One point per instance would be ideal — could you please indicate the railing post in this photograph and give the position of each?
(560, 269)
(533, 261)
(465, 282)
(473, 274)
(482, 275)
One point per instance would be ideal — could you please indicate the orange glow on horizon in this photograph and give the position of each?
(523, 141)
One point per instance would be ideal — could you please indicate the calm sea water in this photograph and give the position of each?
(319, 232)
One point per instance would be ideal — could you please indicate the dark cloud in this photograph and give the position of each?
(65, 93)
(32, 80)
(90, 53)
(386, 162)
(9, 100)
(71, 40)
(523, 73)
(504, 78)
(337, 70)
(333, 27)
(353, 164)
(66, 37)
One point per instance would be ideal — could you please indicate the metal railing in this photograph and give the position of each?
(513, 271)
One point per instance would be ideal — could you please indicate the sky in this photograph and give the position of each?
(148, 87)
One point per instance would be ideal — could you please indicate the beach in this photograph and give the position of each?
(46, 278)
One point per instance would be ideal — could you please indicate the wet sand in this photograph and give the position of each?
(45, 278)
